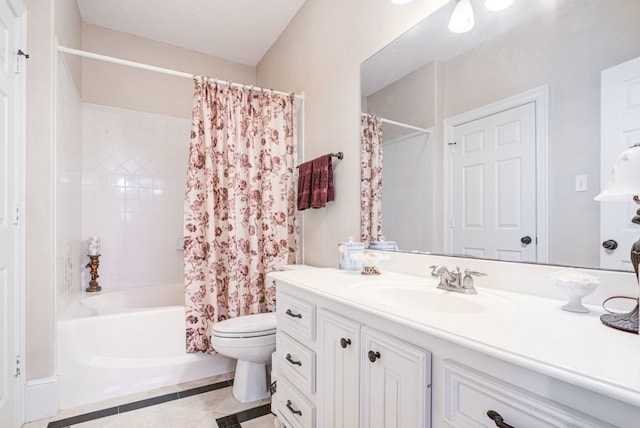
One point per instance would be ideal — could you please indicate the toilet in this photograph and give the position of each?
(251, 339)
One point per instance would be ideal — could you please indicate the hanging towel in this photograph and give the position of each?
(322, 182)
(315, 183)
(304, 185)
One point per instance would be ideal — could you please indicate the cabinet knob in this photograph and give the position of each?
(291, 314)
(292, 361)
(373, 356)
(292, 410)
(345, 342)
(495, 417)
(610, 245)
(526, 240)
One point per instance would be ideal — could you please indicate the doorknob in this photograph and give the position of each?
(526, 240)
(610, 244)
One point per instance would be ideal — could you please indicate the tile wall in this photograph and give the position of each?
(134, 172)
(68, 188)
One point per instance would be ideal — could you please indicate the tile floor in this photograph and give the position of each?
(205, 403)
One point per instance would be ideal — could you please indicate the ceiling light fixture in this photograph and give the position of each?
(462, 19)
(496, 5)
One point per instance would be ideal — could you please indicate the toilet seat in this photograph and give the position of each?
(246, 326)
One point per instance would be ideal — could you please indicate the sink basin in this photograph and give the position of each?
(425, 298)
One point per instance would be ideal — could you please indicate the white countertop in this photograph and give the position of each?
(530, 331)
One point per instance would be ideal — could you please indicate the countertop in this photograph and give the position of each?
(529, 331)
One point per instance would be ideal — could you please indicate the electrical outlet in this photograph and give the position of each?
(581, 183)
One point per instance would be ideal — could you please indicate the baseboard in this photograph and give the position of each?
(41, 398)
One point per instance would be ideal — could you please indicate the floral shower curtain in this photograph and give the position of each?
(239, 211)
(371, 179)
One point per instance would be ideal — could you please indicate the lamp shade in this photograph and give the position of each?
(462, 19)
(624, 182)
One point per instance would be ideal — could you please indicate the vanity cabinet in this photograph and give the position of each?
(394, 376)
(342, 363)
(338, 371)
(395, 382)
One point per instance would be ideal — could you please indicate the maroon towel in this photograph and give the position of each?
(304, 185)
(315, 183)
(322, 182)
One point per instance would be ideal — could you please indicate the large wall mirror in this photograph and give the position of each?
(525, 82)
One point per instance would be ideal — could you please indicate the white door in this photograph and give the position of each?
(339, 368)
(395, 384)
(620, 129)
(493, 197)
(10, 160)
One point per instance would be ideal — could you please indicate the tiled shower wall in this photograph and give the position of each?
(134, 172)
(68, 187)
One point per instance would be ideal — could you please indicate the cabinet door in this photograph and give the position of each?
(395, 382)
(339, 371)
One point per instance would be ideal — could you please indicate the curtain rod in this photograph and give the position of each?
(404, 125)
(168, 71)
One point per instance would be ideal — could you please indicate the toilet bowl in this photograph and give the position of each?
(251, 339)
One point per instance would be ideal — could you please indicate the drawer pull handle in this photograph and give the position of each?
(373, 356)
(291, 314)
(292, 361)
(290, 407)
(345, 342)
(495, 417)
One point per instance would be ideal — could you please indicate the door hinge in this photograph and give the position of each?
(18, 365)
(16, 220)
(452, 222)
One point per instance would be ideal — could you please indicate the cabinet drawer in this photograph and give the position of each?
(297, 362)
(294, 407)
(297, 318)
(470, 394)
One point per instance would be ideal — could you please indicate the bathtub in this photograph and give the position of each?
(127, 340)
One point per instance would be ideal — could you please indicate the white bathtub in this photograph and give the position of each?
(128, 340)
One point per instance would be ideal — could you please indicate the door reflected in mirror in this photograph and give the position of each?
(436, 196)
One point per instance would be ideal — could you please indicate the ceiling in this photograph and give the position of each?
(236, 30)
(430, 40)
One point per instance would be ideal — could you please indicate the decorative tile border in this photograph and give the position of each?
(74, 420)
(234, 420)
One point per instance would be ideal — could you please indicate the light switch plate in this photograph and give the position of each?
(581, 183)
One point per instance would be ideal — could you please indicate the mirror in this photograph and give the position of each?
(429, 77)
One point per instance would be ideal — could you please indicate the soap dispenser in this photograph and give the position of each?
(350, 254)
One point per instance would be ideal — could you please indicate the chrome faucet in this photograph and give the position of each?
(454, 281)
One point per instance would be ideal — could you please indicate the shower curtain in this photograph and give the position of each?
(370, 179)
(239, 211)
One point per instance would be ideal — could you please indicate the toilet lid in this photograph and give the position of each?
(246, 326)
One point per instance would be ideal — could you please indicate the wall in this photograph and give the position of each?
(68, 188)
(407, 189)
(45, 21)
(134, 170)
(320, 53)
(126, 87)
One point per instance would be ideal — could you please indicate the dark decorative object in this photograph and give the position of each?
(624, 184)
(93, 265)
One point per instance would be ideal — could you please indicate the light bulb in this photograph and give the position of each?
(496, 5)
(462, 19)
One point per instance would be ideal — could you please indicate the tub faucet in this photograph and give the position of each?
(453, 280)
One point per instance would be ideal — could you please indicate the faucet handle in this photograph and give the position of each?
(474, 273)
(433, 270)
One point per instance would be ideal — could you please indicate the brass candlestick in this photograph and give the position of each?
(93, 265)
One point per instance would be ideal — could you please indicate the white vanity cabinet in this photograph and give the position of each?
(343, 363)
(393, 375)
(338, 371)
(395, 382)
